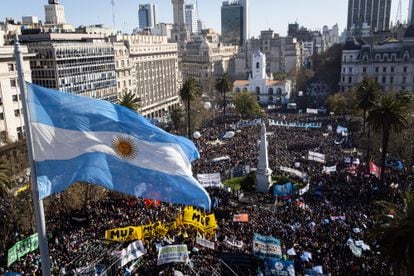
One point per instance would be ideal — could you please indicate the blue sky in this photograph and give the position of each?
(264, 14)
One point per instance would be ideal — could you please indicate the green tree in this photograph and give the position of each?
(246, 104)
(395, 235)
(5, 183)
(367, 92)
(129, 100)
(188, 92)
(341, 103)
(387, 113)
(303, 77)
(223, 85)
(176, 115)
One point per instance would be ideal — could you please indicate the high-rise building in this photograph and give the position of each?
(55, 13)
(179, 32)
(11, 115)
(411, 13)
(191, 18)
(147, 16)
(81, 64)
(375, 13)
(234, 22)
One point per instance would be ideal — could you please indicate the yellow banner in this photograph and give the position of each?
(129, 233)
(205, 223)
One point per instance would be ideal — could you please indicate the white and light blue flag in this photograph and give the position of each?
(81, 139)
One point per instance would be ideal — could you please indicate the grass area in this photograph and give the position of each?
(234, 183)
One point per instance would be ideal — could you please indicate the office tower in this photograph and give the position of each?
(147, 16)
(411, 13)
(191, 18)
(234, 22)
(179, 32)
(375, 13)
(55, 13)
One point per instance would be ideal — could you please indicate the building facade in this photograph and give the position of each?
(11, 109)
(411, 13)
(147, 16)
(81, 64)
(391, 64)
(54, 13)
(376, 13)
(179, 33)
(191, 18)
(234, 22)
(267, 90)
(148, 66)
(205, 62)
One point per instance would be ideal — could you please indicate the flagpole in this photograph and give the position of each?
(37, 203)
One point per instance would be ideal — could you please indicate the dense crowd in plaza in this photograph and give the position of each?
(338, 207)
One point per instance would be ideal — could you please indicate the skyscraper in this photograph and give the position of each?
(411, 13)
(191, 18)
(147, 16)
(375, 13)
(179, 32)
(235, 22)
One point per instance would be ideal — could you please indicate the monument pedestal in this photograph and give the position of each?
(263, 180)
(263, 173)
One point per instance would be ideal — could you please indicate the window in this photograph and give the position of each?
(16, 112)
(384, 69)
(279, 91)
(14, 98)
(392, 69)
(404, 79)
(384, 79)
(258, 99)
(13, 82)
(19, 133)
(405, 69)
(11, 67)
(343, 69)
(257, 65)
(364, 69)
(270, 91)
(350, 80)
(2, 116)
(391, 80)
(350, 69)
(270, 99)
(237, 90)
(3, 136)
(376, 69)
(257, 90)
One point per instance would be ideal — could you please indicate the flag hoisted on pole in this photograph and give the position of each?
(37, 203)
(82, 139)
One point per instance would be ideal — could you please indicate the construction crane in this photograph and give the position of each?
(113, 12)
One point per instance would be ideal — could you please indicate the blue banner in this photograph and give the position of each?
(283, 190)
(279, 267)
(266, 246)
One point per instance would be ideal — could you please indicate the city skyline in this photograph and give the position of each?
(262, 18)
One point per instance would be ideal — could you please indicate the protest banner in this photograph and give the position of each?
(128, 233)
(284, 190)
(329, 170)
(266, 246)
(241, 218)
(205, 243)
(173, 254)
(205, 223)
(279, 267)
(210, 180)
(293, 171)
(132, 252)
(311, 111)
(316, 156)
(21, 248)
(304, 189)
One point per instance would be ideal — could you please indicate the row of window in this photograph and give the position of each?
(376, 69)
(4, 137)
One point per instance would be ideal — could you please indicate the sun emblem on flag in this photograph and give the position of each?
(124, 147)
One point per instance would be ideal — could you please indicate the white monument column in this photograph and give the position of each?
(263, 173)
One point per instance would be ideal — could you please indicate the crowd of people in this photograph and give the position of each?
(337, 207)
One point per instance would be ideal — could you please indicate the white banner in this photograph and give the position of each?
(210, 180)
(295, 124)
(304, 190)
(316, 156)
(311, 111)
(234, 243)
(328, 170)
(293, 171)
(173, 254)
(132, 252)
(205, 243)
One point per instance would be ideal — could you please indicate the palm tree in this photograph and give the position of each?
(223, 85)
(129, 100)
(188, 92)
(387, 113)
(5, 183)
(396, 235)
(367, 92)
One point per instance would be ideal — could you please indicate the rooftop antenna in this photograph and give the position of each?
(113, 12)
(398, 17)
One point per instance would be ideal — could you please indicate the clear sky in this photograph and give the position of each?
(264, 14)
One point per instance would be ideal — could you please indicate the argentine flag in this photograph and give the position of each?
(81, 139)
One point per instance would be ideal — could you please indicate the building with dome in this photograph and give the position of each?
(267, 90)
(390, 63)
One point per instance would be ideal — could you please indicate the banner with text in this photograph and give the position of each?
(173, 254)
(316, 156)
(279, 267)
(293, 171)
(241, 218)
(21, 248)
(205, 243)
(266, 246)
(132, 252)
(210, 180)
(205, 223)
